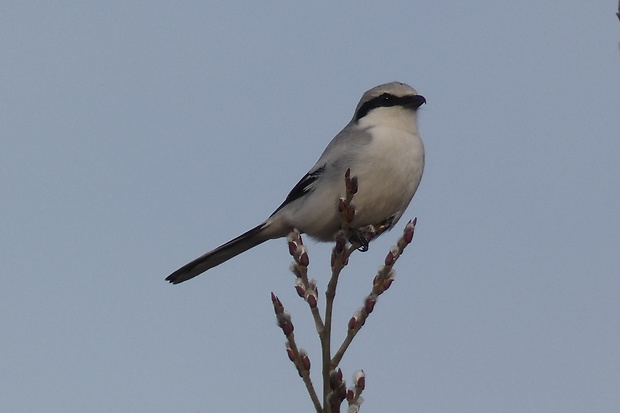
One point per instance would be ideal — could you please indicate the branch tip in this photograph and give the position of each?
(277, 304)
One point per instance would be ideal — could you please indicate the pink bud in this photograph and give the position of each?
(409, 230)
(285, 323)
(303, 259)
(350, 394)
(408, 237)
(311, 300)
(387, 283)
(291, 355)
(287, 328)
(353, 187)
(352, 322)
(300, 290)
(341, 205)
(335, 378)
(389, 259)
(369, 304)
(360, 379)
(305, 361)
(277, 304)
(292, 248)
(350, 214)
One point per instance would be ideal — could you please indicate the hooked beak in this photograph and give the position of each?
(415, 101)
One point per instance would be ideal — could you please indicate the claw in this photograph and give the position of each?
(357, 237)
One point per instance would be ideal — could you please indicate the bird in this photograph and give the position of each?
(380, 145)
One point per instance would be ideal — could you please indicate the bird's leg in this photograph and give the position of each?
(362, 236)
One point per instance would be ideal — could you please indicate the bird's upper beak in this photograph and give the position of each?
(415, 101)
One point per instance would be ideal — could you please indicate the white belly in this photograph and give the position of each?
(389, 170)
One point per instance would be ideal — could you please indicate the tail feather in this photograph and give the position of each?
(232, 248)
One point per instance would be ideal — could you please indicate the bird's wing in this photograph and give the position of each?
(302, 188)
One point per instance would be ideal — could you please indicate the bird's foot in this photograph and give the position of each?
(358, 237)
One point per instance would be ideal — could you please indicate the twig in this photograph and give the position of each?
(382, 281)
(340, 258)
(347, 241)
(297, 356)
(305, 288)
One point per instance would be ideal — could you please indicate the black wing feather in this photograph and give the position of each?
(303, 187)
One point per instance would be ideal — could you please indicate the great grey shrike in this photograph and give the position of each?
(381, 145)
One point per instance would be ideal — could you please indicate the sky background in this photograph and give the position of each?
(135, 136)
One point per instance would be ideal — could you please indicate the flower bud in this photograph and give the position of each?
(354, 320)
(354, 186)
(359, 378)
(292, 248)
(335, 379)
(369, 303)
(299, 287)
(311, 299)
(277, 304)
(352, 323)
(350, 213)
(387, 283)
(303, 256)
(341, 205)
(285, 323)
(305, 361)
(409, 230)
(291, 354)
(389, 259)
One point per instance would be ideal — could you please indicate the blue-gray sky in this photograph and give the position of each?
(137, 135)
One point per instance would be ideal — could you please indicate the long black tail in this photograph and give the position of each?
(222, 253)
